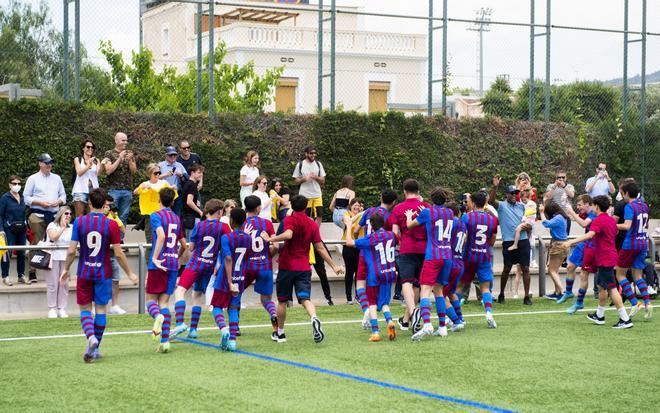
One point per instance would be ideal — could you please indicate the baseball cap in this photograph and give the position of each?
(511, 189)
(45, 158)
(170, 150)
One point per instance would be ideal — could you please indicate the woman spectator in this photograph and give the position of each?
(351, 221)
(555, 221)
(226, 210)
(249, 173)
(57, 292)
(280, 196)
(87, 176)
(523, 181)
(259, 190)
(341, 199)
(149, 198)
(14, 228)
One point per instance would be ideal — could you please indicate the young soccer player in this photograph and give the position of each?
(453, 299)
(603, 231)
(481, 233)
(230, 280)
(205, 243)
(300, 231)
(439, 222)
(259, 262)
(633, 251)
(378, 253)
(163, 266)
(98, 236)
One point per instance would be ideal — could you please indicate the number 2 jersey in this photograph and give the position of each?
(206, 237)
(378, 251)
(236, 245)
(480, 228)
(636, 237)
(258, 258)
(171, 225)
(96, 234)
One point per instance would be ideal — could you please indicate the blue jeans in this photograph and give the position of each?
(122, 201)
(14, 239)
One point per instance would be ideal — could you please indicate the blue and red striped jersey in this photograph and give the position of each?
(439, 222)
(236, 245)
(171, 225)
(636, 238)
(96, 234)
(480, 228)
(206, 238)
(259, 254)
(364, 220)
(378, 250)
(458, 237)
(590, 216)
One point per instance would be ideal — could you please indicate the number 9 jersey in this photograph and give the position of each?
(96, 234)
(378, 251)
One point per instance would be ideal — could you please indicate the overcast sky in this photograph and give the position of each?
(575, 54)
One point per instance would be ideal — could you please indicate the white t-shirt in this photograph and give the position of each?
(251, 173)
(311, 188)
(63, 240)
(81, 185)
(265, 200)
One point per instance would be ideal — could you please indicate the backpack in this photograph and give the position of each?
(299, 167)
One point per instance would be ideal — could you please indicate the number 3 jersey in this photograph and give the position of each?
(236, 245)
(96, 234)
(480, 228)
(171, 225)
(258, 258)
(206, 237)
(378, 249)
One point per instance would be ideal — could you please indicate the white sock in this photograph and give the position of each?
(600, 311)
(623, 314)
(280, 331)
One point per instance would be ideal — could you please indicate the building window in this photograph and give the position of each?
(378, 96)
(285, 94)
(165, 47)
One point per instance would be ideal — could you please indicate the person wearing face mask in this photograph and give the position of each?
(14, 228)
(57, 291)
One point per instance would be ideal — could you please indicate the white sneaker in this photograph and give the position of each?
(515, 296)
(490, 320)
(457, 327)
(366, 322)
(440, 332)
(117, 310)
(427, 330)
(52, 313)
(62, 314)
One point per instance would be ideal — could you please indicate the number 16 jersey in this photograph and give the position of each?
(378, 251)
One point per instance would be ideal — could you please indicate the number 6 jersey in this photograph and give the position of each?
(258, 258)
(378, 251)
(96, 234)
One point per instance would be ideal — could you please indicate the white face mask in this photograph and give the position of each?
(619, 197)
(16, 189)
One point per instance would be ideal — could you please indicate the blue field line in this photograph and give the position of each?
(360, 379)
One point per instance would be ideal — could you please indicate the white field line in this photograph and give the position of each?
(122, 333)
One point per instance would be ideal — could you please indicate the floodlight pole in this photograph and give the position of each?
(211, 61)
(65, 51)
(546, 113)
(625, 62)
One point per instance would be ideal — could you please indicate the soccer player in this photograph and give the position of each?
(438, 221)
(98, 237)
(633, 251)
(387, 199)
(259, 262)
(230, 281)
(603, 230)
(481, 233)
(163, 266)
(300, 232)
(411, 252)
(453, 299)
(205, 243)
(378, 253)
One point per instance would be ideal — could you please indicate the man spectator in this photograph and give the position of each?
(175, 174)
(44, 194)
(119, 165)
(601, 183)
(510, 213)
(192, 212)
(562, 193)
(188, 159)
(310, 175)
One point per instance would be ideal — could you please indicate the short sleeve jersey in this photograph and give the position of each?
(364, 219)
(311, 188)
(206, 238)
(171, 225)
(636, 237)
(96, 234)
(438, 221)
(378, 250)
(480, 228)
(294, 255)
(236, 245)
(413, 241)
(258, 257)
(605, 229)
(458, 238)
(121, 178)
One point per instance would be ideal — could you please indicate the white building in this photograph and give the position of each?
(374, 70)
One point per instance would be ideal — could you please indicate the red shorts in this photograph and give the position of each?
(223, 299)
(456, 272)
(361, 269)
(188, 278)
(432, 272)
(97, 291)
(372, 295)
(250, 277)
(589, 260)
(632, 259)
(161, 282)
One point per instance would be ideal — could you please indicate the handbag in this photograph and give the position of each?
(41, 259)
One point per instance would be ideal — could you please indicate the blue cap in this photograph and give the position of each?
(45, 158)
(170, 150)
(511, 189)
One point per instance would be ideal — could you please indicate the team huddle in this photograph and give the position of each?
(439, 252)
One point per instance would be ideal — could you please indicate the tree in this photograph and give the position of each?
(497, 101)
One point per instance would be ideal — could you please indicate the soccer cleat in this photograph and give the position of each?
(457, 327)
(553, 296)
(426, 330)
(648, 312)
(181, 328)
(192, 333)
(634, 309)
(391, 331)
(317, 331)
(238, 331)
(449, 322)
(490, 320)
(375, 337)
(231, 346)
(163, 347)
(527, 301)
(403, 325)
(366, 323)
(273, 336)
(281, 338)
(565, 297)
(500, 299)
(157, 327)
(92, 344)
(574, 308)
(224, 338)
(598, 320)
(416, 320)
(620, 325)
(440, 332)
(96, 354)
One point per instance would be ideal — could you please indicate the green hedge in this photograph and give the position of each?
(380, 150)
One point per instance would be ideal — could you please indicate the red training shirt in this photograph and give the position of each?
(604, 241)
(413, 241)
(294, 255)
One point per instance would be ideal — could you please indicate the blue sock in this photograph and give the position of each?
(179, 311)
(580, 298)
(441, 308)
(99, 326)
(488, 302)
(87, 323)
(374, 325)
(233, 323)
(456, 304)
(167, 323)
(569, 285)
(451, 313)
(388, 316)
(194, 317)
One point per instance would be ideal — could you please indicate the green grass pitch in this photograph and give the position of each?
(531, 363)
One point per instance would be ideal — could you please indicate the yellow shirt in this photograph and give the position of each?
(355, 219)
(115, 217)
(149, 198)
(273, 211)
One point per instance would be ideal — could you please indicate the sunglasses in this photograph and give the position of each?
(89, 147)
(156, 173)
(561, 177)
(185, 148)
(14, 183)
(67, 213)
(263, 183)
(313, 153)
(173, 154)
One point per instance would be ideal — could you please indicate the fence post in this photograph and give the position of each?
(319, 41)
(76, 72)
(65, 51)
(333, 35)
(642, 98)
(199, 57)
(142, 277)
(532, 37)
(625, 62)
(211, 61)
(445, 86)
(429, 86)
(542, 267)
(546, 113)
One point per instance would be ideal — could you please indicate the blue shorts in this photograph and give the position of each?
(384, 295)
(98, 291)
(577, 255)
(483, 271)
(202, 282)
(263, 281)
(81, 197)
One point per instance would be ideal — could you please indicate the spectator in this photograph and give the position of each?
(188, 159)
(562, 194)
(14, 228)
(226, 210)
(555, 221)
(44, 194)
(310, 175)
(259, 190)
(148, 197)
(57, 292)
(601, 183)
(280, 196)
(175, 175)
(111, 211)
(192, 211)
(351, 254)
(523, 182)
(248, 174)
(119, 165)
(87, 176)
(341, 199)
